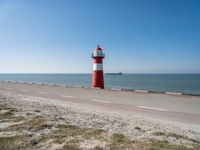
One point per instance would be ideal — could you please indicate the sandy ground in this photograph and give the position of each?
(134, 127)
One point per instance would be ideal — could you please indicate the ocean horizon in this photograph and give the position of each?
(187, 83)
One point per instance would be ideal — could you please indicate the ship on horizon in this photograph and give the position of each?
(118, 73)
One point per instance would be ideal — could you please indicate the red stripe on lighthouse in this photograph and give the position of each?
(98, 60)
(97, 76)
(97, 79)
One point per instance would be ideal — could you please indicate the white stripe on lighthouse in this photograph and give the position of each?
(97, 66)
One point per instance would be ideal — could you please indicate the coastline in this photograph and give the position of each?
(112, 89)
(105, 121)
(187, 84)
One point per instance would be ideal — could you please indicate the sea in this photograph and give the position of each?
(184, 83)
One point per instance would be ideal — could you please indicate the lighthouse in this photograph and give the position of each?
(97, 76)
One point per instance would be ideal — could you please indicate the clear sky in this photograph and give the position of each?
(137, 36)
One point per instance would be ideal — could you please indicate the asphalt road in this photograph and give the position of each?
(181, 109)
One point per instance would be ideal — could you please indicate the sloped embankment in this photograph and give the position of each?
(32, 123)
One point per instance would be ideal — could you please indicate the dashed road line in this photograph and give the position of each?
(152, 108)
(66, 96)
(100, 101)
(23, 90)
(43, 93)
(198, 98)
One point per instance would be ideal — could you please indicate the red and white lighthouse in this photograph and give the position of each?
(97, 76)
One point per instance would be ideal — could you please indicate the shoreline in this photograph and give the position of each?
(111, 89)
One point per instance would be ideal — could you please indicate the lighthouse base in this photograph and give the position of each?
(97, 79)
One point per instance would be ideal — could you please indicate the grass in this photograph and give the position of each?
(65, 130)
(97, 148)
(137, 128)
(71, 147)
(174, 135)
(2, 106)
(6, 142)
(35, 124)
(10, 143)
(159, 133)
(164, 145)
(71, 136)
(68, 130)
(177, 136)
(5, 107)
(17, 143)
(119, 141)
(9, 114)
(119, 138)
(37, 111)
(94, 133)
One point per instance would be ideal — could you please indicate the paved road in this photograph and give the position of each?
(183, 109)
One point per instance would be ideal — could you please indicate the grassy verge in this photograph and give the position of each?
(31, 133)
(119, 141)
(10, 143)
(34, 124)
(8, 114)
(174, 135)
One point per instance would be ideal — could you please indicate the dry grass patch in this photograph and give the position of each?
(9, 115)
(93, 133)
(35, 124)
(97, 148)
(19, 142)
(10, 143)
(174, 135)
(159, 133)
(65, 131)
(119, 142)
(72, 145)
(72, 137)
(164, 145)
(68, 130)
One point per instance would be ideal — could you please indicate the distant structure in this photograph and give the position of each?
(97, 76)
(119, 73)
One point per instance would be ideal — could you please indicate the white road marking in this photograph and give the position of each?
(116, 89)
(152, 108)
(77, 86)
(8, 88)
(66, 96)
(23, 90)
(141, 91)
(196, 98)
(100, 101)
(42, 93)
(173, 93)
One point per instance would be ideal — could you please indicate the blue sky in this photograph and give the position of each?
(137, 36)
